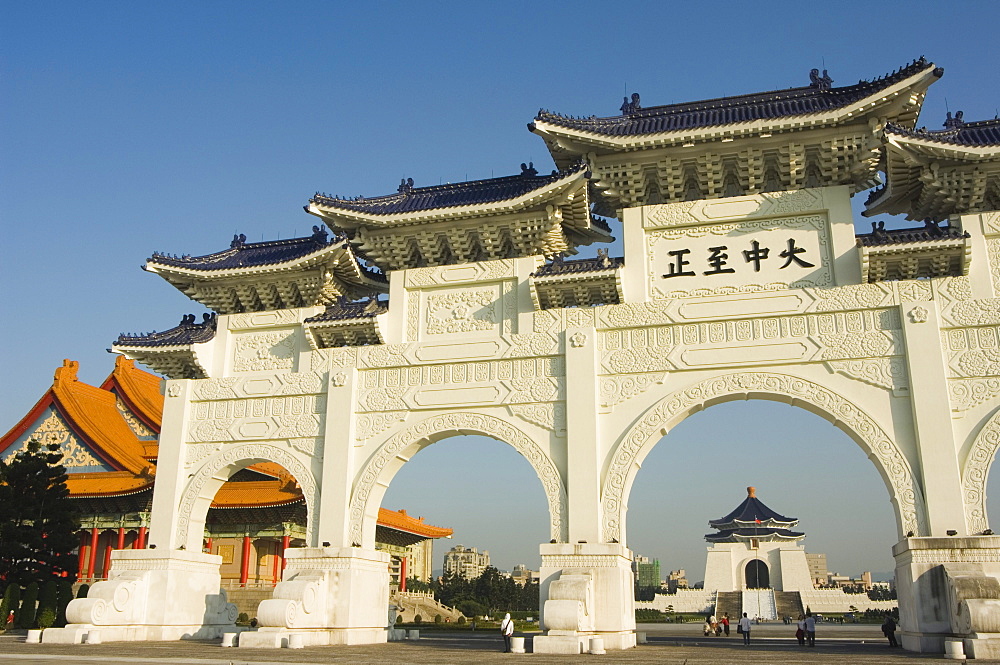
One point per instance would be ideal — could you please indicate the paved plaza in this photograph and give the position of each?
(668, 644)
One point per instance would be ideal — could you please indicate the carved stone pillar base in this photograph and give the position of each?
(946, 589)
(588, 592)
(151, 596)
(328, 595)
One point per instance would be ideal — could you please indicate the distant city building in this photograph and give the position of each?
(522, 575)
(677, 579)
(647, 572)
(817, 568)
(467, 562)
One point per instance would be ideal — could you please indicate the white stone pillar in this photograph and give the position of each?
(170, 476)
(333, 512)
(582, 436)
(932, 421)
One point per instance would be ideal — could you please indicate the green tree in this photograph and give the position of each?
(413, 584)
(64, 594)
(37, 521)
(26, 616)
(45, 617)
(11, 602)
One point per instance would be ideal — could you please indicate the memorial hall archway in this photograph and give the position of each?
(650, 428)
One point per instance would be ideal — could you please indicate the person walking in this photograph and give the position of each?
(507, 630)
(800, 630)
(889, 630)
(744, 626)
(810, 629)
(725, 624)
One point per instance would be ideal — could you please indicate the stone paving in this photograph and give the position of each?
(668, 645)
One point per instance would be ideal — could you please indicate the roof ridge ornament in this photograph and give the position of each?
(239, 239)
(954, 123)
(528, 170)
(820, 82)
(630, 107)
(405, 186)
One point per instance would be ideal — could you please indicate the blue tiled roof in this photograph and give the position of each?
(732, 110)
(344, 311)
(928, 232)
(243, 254)
(750, 510)
(981, 133)
(186, 333)
(474, 192)
(560, 266)
(724, 536)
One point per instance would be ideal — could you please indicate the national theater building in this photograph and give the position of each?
(108, 438)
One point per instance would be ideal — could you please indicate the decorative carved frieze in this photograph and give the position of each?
(235, 387)
(616, 389)
(888, 373)
(462, 312)
(973, 352)
(369, 425)
(550, 416)
(260, 418)
(966, 394)
(483, 271)
(975, 472)
(54, 430)
(263, 351)
(407, 442)
(269, 319)
(880, 447)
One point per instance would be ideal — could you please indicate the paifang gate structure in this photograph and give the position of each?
(742, 277)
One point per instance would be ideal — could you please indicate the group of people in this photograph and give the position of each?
(805, 631)
(717, 627)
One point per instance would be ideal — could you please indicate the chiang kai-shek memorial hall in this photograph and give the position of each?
(456, 309)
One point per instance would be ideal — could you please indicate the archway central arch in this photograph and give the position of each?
(652, 425)
(374, 478)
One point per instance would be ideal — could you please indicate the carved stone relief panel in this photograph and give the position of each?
(457, 384)
(888, 373)
(556, 320)
(269, 319)
(264, 351)
(473, 310)
(261, 418)
(484, 271)
(966, 394)
(975, 473)
(973, 351)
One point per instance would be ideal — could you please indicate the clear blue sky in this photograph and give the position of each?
(128, 128)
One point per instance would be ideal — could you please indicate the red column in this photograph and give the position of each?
(82, 555)
(208, 545)
(121, 538)
(276, 570)
(285, 541)
(93, 553)
(245, 563)
(140, 540)
(402, 573)
(107, 560)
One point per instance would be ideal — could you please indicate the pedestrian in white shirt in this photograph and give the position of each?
(810, 629)
(745, 629)
(507, 630)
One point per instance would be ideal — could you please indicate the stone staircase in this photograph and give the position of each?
(412, 603)
(760, 603)
(789, 604)
(731, 603)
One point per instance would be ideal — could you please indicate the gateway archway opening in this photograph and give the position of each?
(756, 575)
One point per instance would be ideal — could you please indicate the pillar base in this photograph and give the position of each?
(151, 596)
(589, 592)
(328, 595)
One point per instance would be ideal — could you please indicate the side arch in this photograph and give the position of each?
(217, 469)
(976, 471)
(374, 478)
(639, 439)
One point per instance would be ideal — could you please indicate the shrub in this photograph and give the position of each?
(437, 618)
(399, 619)
(418, 619)
(461, 620)
(83, 591)
(26, 617)
(64, 594)
(47, 606)
(243, 619)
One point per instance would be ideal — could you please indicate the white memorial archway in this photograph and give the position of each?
(742, 277)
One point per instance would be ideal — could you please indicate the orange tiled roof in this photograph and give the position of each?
(139, 390)
(256, 494)
(106, 483)
(398, 519)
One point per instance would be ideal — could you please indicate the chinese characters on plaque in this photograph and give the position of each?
(683, 263)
